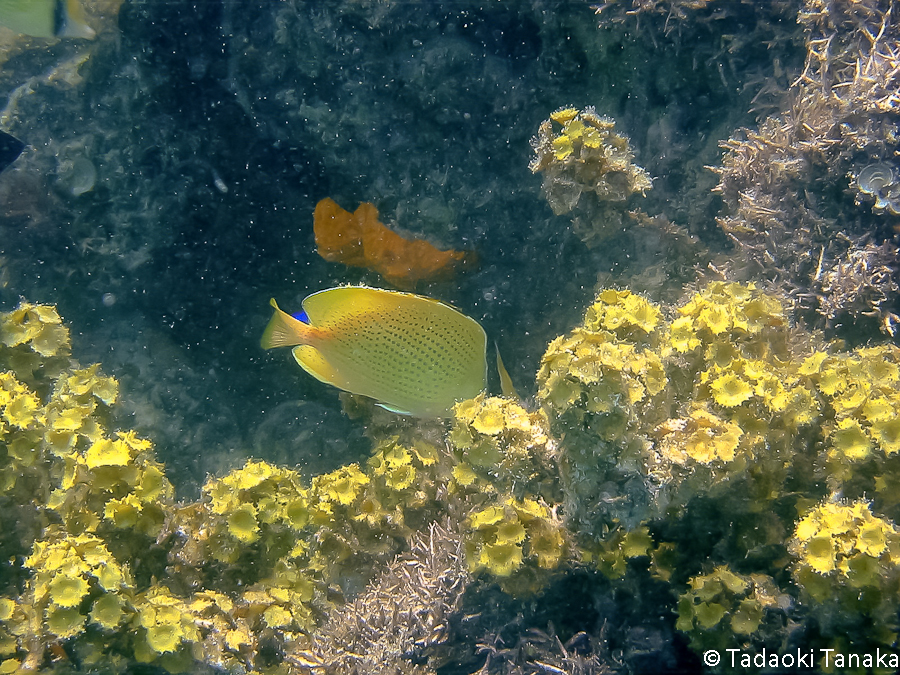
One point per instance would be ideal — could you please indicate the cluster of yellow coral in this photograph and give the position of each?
(715, 409)
(69, 570)
(585, 156)
(863, 388)
(721, 605)
(500, 447)
(608, 365)
(847, 543)
(510, 534)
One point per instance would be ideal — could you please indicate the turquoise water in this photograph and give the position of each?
(173, 164)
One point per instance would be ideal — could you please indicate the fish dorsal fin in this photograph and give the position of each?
(506, 383)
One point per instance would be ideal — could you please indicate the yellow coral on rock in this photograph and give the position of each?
(585, 155)
(502, 447)
(722, 604)
(504, 536)
(846, 541)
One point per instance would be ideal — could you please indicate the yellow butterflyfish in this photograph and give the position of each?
(412, 354)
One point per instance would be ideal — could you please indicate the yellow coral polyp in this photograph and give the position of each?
(546, 543)
(297, 513)
(165, 637)
(277, 616)
(51, 340)
(820, 554)
(510, 531)
(872, 539)
(71, 418)
(107, 611)
(426, 453)
(486, 517)
(400, 477)
(879, 409)
(851, 441)
(682, 336)
(342, 486)
(562, 147)
(251, 475)
(714, 318)
(242, 524)
(887, 433)
(501, 559)
(107, 453)
(124, 513)
(832, 380)
(490, 419)
(729, 390)
(23, 411)
(812, 363)
(68, 591)
(642, 313)
(464, 474)
(64, 622)
(564, 115)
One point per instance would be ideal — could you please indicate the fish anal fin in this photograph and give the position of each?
(312, 361)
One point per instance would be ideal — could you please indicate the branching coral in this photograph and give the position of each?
(400, 621)
(779, 181)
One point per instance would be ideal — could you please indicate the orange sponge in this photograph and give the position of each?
(359, 239)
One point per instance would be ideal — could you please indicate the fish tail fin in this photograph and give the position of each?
(284, 330)
(74, 24)
(506, 383)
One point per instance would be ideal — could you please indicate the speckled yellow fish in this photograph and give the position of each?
(412, 354)
(45, 18)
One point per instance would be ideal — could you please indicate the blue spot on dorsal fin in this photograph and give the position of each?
(301, 316)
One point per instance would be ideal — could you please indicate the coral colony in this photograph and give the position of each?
(793, 439)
